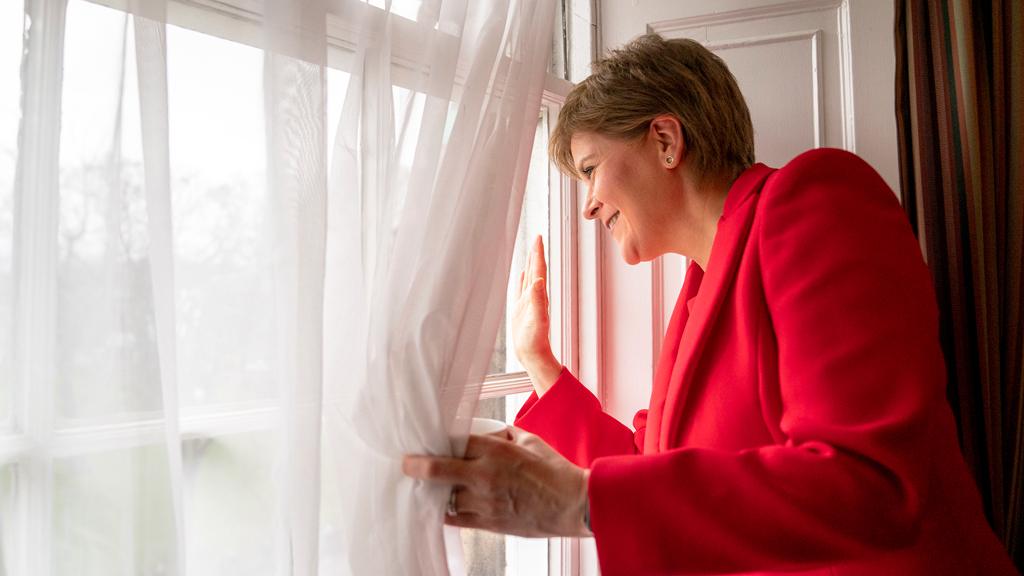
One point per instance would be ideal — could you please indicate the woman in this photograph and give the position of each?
(798, 421)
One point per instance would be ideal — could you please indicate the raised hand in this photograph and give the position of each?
(531, 322)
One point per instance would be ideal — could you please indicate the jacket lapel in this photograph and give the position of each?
(667, 358)
(728, 247)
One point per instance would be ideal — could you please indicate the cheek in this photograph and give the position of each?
(624, 178)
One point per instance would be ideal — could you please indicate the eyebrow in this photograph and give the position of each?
(579, 166)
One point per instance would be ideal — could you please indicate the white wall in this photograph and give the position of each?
(844, 47)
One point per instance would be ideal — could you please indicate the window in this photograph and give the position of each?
(549, 211)
(104, 417)
(107, 406)
(10, 112)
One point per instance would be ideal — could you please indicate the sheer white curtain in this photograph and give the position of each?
(237, 284)
(425, 200)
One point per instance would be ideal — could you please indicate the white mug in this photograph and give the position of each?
(488, 427)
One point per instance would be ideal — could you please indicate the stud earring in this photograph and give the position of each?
(669, 160)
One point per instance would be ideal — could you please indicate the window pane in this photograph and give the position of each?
(222, 231)
(11, 22)
(502, 408)
(404, 8)
(229, 500)
(337, 89)
(535, 220)
(489, 554)
(113, 514)
(106, 349)
(10, 520)
(222, 238)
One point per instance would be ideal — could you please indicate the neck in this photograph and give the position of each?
(698, 230)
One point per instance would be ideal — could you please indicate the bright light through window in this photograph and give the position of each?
(222, 242)
(535, 221)
(104, 298)
(404, 8)
(489, 554)
(10, 77)
(106, 372)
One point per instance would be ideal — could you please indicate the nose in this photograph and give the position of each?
(591, 207)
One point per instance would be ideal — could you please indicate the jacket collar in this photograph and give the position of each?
(746, 185)
(730, 240)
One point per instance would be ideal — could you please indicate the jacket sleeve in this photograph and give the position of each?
(860, 373)
(570, 419)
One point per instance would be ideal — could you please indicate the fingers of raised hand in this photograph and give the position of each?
(536, 266)
(529, 270)
(540, 293)
(540, 263)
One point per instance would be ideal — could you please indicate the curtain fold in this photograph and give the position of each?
(295, 40)
(231, 317)
(151, 62)
(426, 190)
(960, 95)
(34, 255)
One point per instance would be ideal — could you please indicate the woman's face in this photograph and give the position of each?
(631, 191)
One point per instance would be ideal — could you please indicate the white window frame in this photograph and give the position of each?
(562, 275)
(34, 440)
(564, 554)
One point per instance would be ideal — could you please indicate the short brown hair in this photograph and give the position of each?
(651, 76)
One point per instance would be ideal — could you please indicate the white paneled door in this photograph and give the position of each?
(814, 73)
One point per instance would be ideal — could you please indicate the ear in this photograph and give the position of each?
(667, 135)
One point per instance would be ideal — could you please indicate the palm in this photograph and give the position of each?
(530, 319)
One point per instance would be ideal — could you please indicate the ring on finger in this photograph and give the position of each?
(450, 510)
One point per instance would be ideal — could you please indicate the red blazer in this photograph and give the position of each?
(798, 419)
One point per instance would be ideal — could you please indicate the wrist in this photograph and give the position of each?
(585, 506)
(543, 372)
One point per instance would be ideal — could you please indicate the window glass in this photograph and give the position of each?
(535, 216)
(11, 23)
(490, 554)
(221, 222)
(535, 220)
(106, 361)
(404, 8)
(9, 520)
(113, 514)
(408, 108)
(230, 504)
(337, 87)
(223, 231)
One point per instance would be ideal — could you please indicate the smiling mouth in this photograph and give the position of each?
(613, 220)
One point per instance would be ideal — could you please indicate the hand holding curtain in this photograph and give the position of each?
(515, 485)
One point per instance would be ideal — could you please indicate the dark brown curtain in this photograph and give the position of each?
(959, 96)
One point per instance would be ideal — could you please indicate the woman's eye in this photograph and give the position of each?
(587, 171)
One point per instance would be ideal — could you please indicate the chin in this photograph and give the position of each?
(631, 255)
(632, 252)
